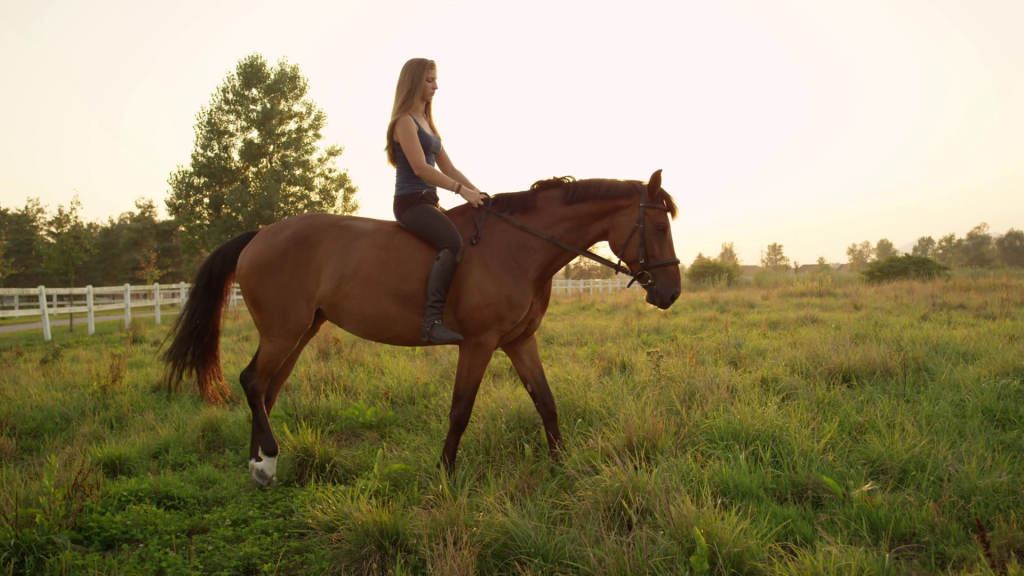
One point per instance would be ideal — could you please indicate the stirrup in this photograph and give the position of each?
(437, 333)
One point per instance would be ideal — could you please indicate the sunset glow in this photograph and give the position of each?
(809, 124)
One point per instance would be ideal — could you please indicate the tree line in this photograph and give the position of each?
(256, 159)
(59, 248)
(978, 249)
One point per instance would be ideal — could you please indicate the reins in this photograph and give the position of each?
(645, 267)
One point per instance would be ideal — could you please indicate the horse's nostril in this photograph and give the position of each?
(674, 296)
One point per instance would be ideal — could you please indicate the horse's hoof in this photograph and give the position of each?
(264, 473)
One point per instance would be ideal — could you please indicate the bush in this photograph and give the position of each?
(712, 271)
(903, 267)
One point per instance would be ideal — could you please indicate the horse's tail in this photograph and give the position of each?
(195, 349)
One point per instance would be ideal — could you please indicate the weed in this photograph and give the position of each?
(314, 458)
(136, 333)
(453, 554)
(8, 448)
(52, 356)
(116, 370)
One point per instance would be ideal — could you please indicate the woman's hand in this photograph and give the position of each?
(472, 196)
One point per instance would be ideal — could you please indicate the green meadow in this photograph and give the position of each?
(811, 426)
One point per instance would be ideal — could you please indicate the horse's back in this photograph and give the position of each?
(359, 271)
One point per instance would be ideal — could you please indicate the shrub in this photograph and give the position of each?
(903, 267)
(713, 271)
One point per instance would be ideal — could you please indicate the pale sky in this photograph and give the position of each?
(812, 124)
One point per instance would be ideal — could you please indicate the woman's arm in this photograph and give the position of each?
(449, 169)
(405, 133)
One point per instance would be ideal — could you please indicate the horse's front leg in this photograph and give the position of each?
(473, 359)
(525, 359)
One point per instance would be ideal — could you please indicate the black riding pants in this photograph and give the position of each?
(421, 214)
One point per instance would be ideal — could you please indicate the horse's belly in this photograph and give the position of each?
(377, 300)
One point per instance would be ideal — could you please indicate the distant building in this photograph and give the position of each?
(749, 271)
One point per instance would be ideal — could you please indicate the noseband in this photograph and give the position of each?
(642, 276)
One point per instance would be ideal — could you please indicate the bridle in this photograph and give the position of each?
(645, 267)
(639, 225)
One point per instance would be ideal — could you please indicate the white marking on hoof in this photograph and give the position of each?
(264, 473)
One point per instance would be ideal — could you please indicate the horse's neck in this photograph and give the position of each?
(580, 225)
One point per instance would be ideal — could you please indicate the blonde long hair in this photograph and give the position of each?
(407, 94)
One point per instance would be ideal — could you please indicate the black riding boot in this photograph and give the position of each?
(434, 331)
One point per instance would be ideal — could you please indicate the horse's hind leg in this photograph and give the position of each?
(525, 359)
(286, 369)
(274, 352)
(248, 381)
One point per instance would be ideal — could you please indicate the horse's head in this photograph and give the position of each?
(641, 236)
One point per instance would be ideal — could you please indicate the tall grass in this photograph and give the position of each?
(810, 426)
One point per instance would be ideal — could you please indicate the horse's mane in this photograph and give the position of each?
(577, 191)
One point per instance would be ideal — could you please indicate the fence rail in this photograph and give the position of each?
(605, 286)
(46, 302)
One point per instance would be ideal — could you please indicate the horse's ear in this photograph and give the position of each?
(654, 184)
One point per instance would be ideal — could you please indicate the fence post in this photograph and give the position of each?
(45, 313)
(234, 296)
(91, 315)
(127, 305)
(156, 300)
(16, 302)
(181, 296)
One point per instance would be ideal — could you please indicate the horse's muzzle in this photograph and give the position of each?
(658, 298)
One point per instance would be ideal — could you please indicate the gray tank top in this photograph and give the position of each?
(406, 180)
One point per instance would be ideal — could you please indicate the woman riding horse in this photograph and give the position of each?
(413, 146)
(294, 278)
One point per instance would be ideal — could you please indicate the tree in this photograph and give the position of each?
(7, 265)
(1011, 248)
(978, 251)
(149, 273)
(23, 234)
(708, 271)
(903, 267)
(948, 250)
(823, 266)
(924, 246)
(586, 269)
(256, 159)
(774, 258)
(728, 254)
(70, 243)
(860, 255)
(885, 249)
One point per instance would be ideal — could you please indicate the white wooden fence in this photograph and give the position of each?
(606, 286)
(47, 302)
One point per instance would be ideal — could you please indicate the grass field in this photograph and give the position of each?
(799, 427)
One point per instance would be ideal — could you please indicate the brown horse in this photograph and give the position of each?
(367, 277)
